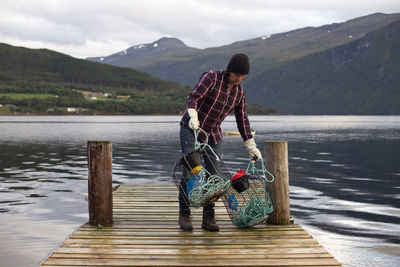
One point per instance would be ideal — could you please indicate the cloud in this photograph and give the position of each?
(85, 28)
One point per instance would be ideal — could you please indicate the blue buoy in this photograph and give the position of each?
(192, 183)
(232, 202)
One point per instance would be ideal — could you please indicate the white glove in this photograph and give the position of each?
(254, 152)
(194, 123)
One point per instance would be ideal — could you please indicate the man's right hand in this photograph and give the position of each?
(194, 123)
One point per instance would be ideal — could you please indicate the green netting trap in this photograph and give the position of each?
(201, 176)
(247, 201)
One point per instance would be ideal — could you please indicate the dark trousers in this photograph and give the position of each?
(187, 145)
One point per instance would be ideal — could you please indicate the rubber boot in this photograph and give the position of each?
(209, 221)
(185, 222)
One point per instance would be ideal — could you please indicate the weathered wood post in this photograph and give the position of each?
(100, 183)
(277, 163)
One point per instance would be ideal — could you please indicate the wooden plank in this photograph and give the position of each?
(244, 252)
(249, 234)
(180, 256)
(187, 262)
(192, 241)
(171, 235)
(261, 248)
(146, 233)
(262, 228)
(183, 238)
(128, 228)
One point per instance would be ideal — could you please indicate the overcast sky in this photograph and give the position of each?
(84, 28)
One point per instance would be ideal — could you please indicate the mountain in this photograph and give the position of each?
(140, 56)
(341, 68)
(360, 77)
(184, 64)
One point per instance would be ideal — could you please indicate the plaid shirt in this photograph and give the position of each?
(214, 102)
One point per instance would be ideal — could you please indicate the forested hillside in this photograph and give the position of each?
(44, 81)
(41, 81)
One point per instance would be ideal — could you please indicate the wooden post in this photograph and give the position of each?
(100, 183)
(276, 163)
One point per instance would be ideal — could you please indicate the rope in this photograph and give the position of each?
(251, 166)
(254, 211)
(197, 144)
(201, 146)
(208, 190)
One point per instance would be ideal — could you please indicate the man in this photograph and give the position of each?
(216, 94)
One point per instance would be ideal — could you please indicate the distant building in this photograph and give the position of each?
(95, 95)
(76, 110)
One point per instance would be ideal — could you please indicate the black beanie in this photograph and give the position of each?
(239, 64)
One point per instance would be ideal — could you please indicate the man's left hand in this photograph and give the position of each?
(254, 152)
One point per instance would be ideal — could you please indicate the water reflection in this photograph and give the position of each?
(344, 175)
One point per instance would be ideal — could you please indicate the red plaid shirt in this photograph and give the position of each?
(214, 102)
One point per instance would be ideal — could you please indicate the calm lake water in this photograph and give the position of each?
(344, 177)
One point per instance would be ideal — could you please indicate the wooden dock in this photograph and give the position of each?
(145, 233)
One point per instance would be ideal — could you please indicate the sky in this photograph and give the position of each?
(87, 28)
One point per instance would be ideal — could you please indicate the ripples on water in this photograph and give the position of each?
(344, 176)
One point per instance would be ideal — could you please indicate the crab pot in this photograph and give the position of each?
(192, 160)
(201, 177)
(247, 201)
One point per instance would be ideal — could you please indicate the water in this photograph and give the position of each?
(344, 177)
